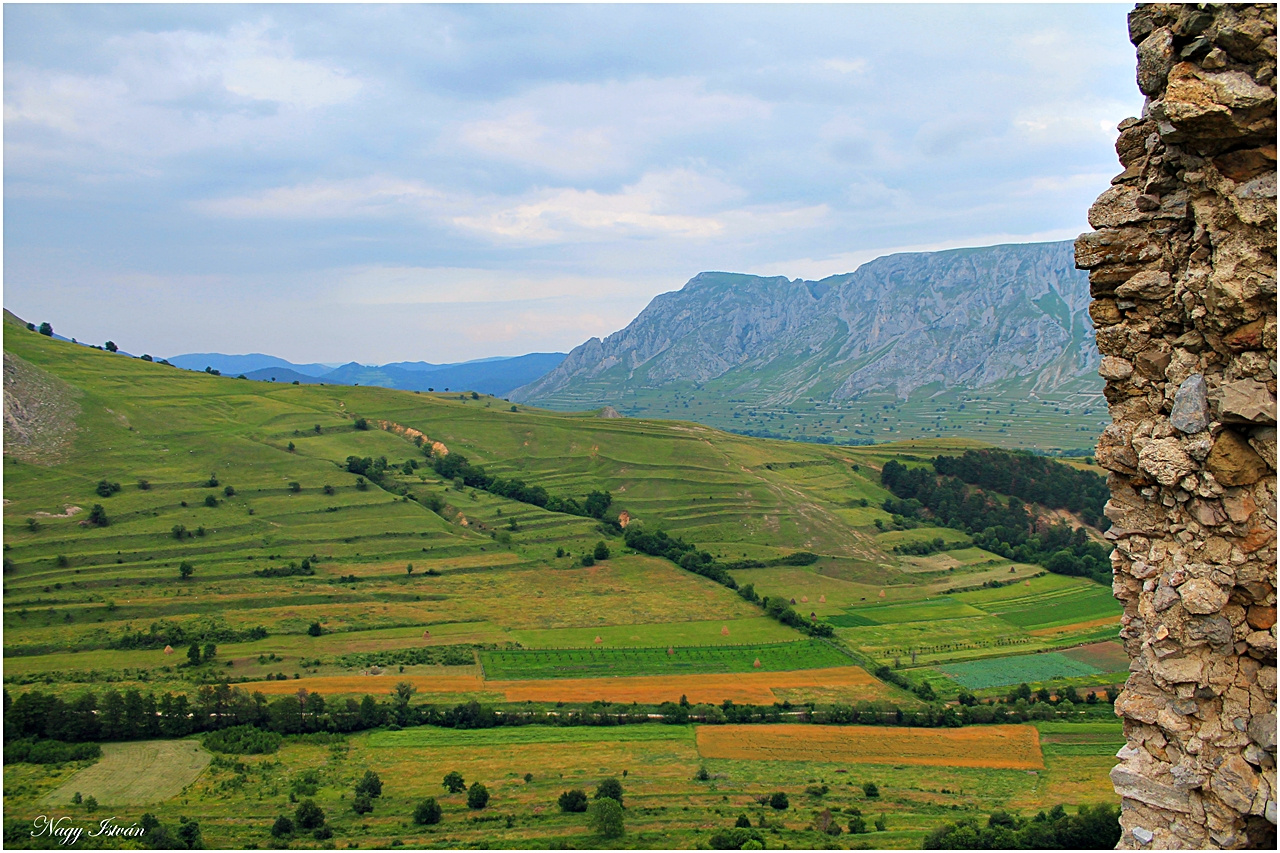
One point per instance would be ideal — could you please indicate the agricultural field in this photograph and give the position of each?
(999, 672)
(587, 663)
(234, 546)
(238, 797)
(141, 772)
(1001, 747)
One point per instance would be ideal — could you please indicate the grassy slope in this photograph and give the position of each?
(732, 495)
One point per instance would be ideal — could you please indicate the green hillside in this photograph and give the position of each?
(305, 575)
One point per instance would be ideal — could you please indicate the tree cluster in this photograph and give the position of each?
(1003, 526)
(1031, 478)
(1093, 828)
(454, 466)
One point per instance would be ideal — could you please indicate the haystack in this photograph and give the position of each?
(757, 663)
(724, 631)
(168, 650)
(599, 640)
(822, 599)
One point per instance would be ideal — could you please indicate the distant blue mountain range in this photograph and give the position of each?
(496, 376)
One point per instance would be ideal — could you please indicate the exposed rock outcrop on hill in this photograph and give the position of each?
(965, 317)
(1183, 274)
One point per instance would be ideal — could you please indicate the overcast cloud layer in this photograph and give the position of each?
(450, 182)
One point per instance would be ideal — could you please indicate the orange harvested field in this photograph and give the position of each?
(755, 688)
(1078, 626)
(998, 747)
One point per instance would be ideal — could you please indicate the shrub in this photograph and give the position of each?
(870, 790)
(703, 774)
(743, 822)
(242, 740)
(588, 560)
(210, 500)
(361, 423)
(602, 551)
(370, 785)
(98, 516)
(573, 801)
(314, 629)
(186, 570)
(328, 489)
(105, 489)
(229, 491)
(779, 801)
(308, 815)
(454, 783)
(857, 825)
(477, 796)
(427, 812)
(282, 827)
(610, 788)
(362, 804)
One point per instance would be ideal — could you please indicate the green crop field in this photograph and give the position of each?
(999, 672)
(587, 663)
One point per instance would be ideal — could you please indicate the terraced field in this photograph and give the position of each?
(303, 575)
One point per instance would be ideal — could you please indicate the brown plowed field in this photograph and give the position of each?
(754, 688)
(999, 747)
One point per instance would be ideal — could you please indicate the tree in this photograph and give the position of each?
(602, 551)
(588, 560)
(110, 346)
(573, 801)
(210, 651)
(610, 788)
(779, 801)
(46, 330)
(328, 489)
(427, 812)
(295, 487)
(362, 804)
(857, 825)
(193, 654)
(98, 516)
(314, 629)
(361, 423)
(870, 790)
(229, 491)
(308, 815)
(454, 783)
(210, 501)
(189, 834)
(292, 448)
(881, 825)
(33, 525)
(185, 569)
(477, 796)
(282, 827)
(369, 784)
(743, 822)
(606, 818)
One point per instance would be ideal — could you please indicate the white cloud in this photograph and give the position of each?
(167, 93)
(845, 66)
(679, 203)
(377, 195)
(593, 128)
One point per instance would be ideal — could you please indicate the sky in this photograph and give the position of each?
(436, 182)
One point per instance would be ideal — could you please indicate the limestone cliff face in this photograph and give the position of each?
(966, 317)
(1183, 274)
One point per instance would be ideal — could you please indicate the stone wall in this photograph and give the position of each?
(1183, 277)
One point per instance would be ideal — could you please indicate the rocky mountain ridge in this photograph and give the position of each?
(967, 318)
